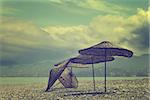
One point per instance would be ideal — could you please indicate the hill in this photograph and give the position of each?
(135, 66)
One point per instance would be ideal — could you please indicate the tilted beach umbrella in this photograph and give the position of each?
(84, 59)
(105, 49)
(62, 73)
(57, 72)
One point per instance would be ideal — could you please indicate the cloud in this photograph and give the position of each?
(8, 10)
(72, 37)
(129, 32)
(22, 38)
(140, 39)
(23, 42)
(139, 30)
(96, 5)
(17, 37)
(21, 32)
(102, 6)
(56, 1)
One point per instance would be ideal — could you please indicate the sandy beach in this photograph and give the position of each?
(136, 89)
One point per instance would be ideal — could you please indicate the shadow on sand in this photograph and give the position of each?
(89, 93)
(63, 90)
(77, 92)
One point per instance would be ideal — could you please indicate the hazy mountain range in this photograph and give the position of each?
(135, 66)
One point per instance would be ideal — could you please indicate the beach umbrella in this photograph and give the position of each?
(105, 49)
(62, 73)
(84, 59)
(66, 77)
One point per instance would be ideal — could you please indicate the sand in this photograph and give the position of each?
(137, 89)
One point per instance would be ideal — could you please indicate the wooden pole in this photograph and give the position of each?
(105, 71)
(71, 76)
(93, 75)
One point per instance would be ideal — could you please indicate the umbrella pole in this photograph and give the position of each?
(93, 76)
(71, 76)
(105, 76)
(105, 71)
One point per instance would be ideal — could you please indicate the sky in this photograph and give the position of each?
(34, 31)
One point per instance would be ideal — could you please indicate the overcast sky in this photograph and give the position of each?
(42, 30)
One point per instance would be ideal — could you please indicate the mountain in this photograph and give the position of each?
(135, 66)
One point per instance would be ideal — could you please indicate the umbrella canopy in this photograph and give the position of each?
(65, 76)
(68, 79)
(106, 48)
(84, 59)
(70, 64)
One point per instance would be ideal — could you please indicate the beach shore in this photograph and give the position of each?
(136, 89)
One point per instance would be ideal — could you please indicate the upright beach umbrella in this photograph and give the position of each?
(84, 59)
(105, 49)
